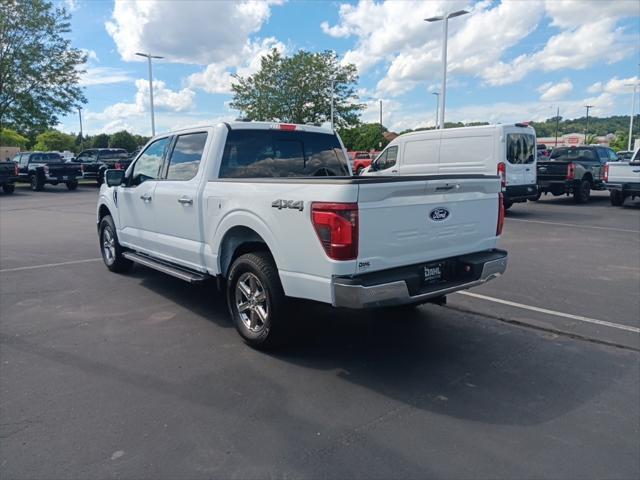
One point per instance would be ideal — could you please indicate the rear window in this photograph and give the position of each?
(46, 157)
(521, 148)
(274, 153)
(111, 154)
(577, 154)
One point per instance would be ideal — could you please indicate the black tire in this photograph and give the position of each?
(582, 192)
(359, 171)
(537, 197)
(616, 198)
(265, 326)
(36, 183)
(9, 188)
(112, 255)
(507, 204)
(72, 185)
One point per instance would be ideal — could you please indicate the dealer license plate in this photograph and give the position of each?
(432, 272)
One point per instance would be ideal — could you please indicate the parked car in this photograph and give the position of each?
(625, 155)
(272, 209)
(96, 160)
(574, 171)
(41, 168)
(508, 151)
(361, 160)
(8, 176)
(622, 179)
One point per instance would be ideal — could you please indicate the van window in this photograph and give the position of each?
(275, 153)
(521, 148)
(387, 159)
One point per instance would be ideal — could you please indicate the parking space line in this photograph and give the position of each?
(552, 312)
(48, 265)
(574, 225)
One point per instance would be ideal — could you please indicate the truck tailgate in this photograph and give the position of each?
(426, 219)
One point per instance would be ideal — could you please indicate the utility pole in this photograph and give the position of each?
(381, 127)
(81, 135)
(586, 129)
(445, 31)
(437, 94)
(633, 111)
(557, 123)
(333, 82)
(148, 56)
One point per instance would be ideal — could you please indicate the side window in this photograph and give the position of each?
(612, 156)
(388, 158)
(603, 155)
(148, 164)
(24, 159)
(186, 156)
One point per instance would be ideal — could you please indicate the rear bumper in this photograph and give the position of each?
(556, 186)
(384, 289)
(6, 179)
(520, 193)
(625, 188)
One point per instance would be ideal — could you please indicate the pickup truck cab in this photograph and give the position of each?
(622, 179)
(41, 168)
(8, 176)
(505, 150)
(95, 161)
(271, 210)
(574, 171)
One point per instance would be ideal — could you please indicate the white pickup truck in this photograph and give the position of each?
(622, 179)
(273, 212)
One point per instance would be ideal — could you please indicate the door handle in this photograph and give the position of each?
(185, 201)
(146, 197)
(447, 187)
(394, 171)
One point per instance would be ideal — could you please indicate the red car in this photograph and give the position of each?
(362, 160)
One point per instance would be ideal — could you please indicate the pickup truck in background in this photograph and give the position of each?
(622, 179)
(95, 161)
(41, 168)
(8, 176)
(272, 211)
(361, 160)
(574, 171)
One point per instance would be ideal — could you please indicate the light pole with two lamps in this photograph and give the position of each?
(148, 56)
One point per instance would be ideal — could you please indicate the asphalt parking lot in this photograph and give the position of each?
(534, 375)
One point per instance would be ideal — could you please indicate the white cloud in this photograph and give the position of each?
(216, 77)
(574, 13)
(188, 31)
(104, 75)
(550, 91)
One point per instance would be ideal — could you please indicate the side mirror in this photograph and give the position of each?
(114, 177)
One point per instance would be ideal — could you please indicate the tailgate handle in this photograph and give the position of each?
(448, 187)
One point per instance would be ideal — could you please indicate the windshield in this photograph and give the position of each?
(521, 148)
(571, 154)
(275, 153)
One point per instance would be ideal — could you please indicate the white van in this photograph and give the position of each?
(505, 150)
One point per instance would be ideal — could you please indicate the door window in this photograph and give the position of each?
(186, 156)
(603, 155)
(148, 164)
(612, 156)
(387, 159)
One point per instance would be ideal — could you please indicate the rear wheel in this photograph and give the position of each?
(616, 198)
(72, 185)
(256, 300)
(359, 171)
(583, 192)
(537, 197)
(110, 247)
(9, 188)
(36, 183)
(507, 204)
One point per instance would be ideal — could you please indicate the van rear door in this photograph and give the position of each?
(520, 156)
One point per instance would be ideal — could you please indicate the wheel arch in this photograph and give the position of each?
(237, 241)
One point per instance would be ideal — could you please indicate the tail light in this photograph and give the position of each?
(336, 225)
(16, 169)
(571, 171)
(500, 215)
(82, 169)
(502, 173)
(605, 173)
(118, 166)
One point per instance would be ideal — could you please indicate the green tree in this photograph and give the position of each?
(297, 89)
(55, 140)
(39, 70)
(11, 138)
(141, 140)
(123, 139)
(621, 141)
(100, 141)
(591, 139)
(366, 136)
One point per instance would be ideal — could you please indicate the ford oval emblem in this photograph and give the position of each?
(439, 214)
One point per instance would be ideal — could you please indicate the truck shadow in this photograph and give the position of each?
(433, 358)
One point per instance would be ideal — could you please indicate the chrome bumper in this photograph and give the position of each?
(397, 293)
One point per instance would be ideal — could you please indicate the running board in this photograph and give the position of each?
(175, 271)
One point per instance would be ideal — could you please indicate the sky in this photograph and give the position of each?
(508, 61)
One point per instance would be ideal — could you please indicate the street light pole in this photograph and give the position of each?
(557, 123)
(586, 129)
(437, 94)
(81, 135)
(148, 56)
(633, 107)
(445, 31)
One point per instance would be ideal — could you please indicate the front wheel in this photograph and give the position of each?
(537, 197)
(9, 188)
(36, 183)
(72, 185)
(256, 300)
(616, 198)
(507, 204)
(583, 192)
(110, 247)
